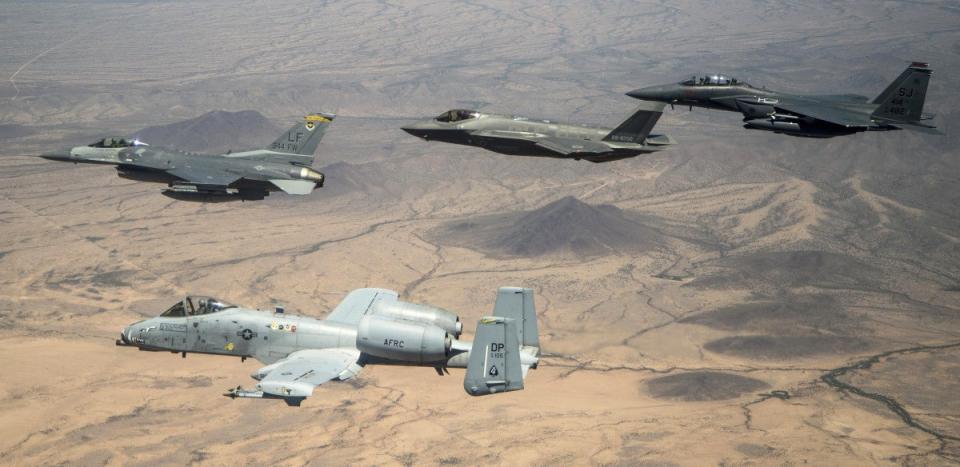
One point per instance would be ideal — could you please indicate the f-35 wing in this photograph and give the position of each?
(294, 378)
(568, 146)
(560, 146)
(825, 113)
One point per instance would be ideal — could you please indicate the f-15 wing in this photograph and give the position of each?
(824, 112)
(294, 377)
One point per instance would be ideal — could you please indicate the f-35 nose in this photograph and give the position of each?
(654, 93)
(420, 129)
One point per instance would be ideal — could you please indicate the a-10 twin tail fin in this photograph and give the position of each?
(506, 345)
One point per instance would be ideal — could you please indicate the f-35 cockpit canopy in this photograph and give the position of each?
(456, 115)
(194, 305)
(116, 142)
(713, 80)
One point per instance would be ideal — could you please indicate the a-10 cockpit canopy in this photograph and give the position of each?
(117, 142)
(713, 80)
(456, 115)
(194, 305)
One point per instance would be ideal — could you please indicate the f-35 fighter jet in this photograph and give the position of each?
(900, 105)
(248, 175)
(521, 136)
(370, 326)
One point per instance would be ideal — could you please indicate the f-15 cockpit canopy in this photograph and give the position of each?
(116, 142)
(457, 115)
(713, 80)
(194, 305)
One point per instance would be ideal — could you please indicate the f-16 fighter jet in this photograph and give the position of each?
(900, 105)
(521, 136)
(248, 175)
(370, 326)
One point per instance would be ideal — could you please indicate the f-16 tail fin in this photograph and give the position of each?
(636, 128)
(506, 345)
(494, 364)
(903, 99)
(302, 139)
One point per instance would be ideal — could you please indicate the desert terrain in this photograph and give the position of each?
(743, 298)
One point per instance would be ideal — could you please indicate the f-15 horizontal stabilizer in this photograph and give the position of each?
(494, 364)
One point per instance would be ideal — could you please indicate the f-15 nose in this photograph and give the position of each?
(654, 93)
(61, 155)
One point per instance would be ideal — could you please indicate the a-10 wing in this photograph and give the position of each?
(294, 378)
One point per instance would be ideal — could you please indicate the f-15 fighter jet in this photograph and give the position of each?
(285, 165)
(900, 105)
(522, 136)
(370, 326)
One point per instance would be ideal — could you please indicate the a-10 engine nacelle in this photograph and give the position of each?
(402, 340)
(442, 319)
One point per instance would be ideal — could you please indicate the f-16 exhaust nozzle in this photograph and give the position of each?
(307, 173)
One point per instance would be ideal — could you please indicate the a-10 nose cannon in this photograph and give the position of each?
(370, 326)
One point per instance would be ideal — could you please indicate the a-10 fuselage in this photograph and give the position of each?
(270, 336)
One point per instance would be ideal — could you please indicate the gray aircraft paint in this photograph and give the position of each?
(522, 136)
(900, 105)
(249, 175)
(370, 326)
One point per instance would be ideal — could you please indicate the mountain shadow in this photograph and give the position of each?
(565, 226)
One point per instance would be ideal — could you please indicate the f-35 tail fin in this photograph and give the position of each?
(302, 139)
(903, 99)
(636, 128)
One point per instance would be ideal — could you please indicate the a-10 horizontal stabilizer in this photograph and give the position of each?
(494, 364)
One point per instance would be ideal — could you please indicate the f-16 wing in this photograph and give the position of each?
(824, 112)
(560, 146)
(295, 377)
(204, 176)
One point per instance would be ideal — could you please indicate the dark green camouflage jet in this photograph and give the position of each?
(900, 105)
(285, 165)
(522, 136)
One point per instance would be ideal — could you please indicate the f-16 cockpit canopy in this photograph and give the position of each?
(713, 80)
(195, 305)
(116, 142)
(456, 115)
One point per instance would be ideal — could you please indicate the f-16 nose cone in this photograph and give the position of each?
(61, 155)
